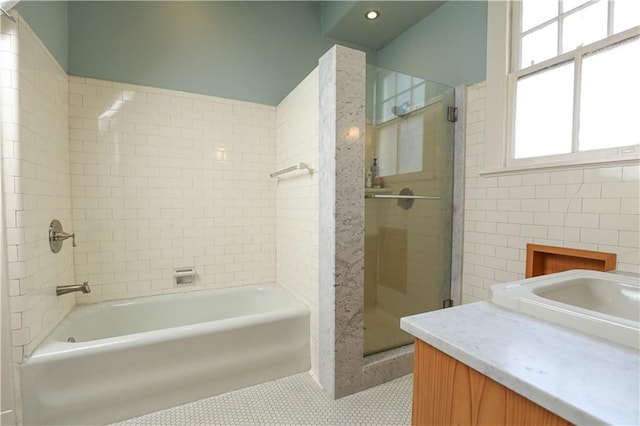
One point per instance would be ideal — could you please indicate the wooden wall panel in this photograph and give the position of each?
(448, 392)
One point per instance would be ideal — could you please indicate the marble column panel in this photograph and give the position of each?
(326, 221)
(342, 120)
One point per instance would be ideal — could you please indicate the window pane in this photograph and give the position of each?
(415, 81)
(388, 85)
(387, 150)
(544, 112)
(585, 26)
(609, 109)
(568, 5)
(626, 14)
(404, 101)
(540, 45)
(535, 12)
(403, 83)
(418, 96)
(410, 145)
(386, 113)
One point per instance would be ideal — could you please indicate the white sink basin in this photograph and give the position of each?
(602, 304)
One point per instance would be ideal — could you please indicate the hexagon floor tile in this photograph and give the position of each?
(295, 400)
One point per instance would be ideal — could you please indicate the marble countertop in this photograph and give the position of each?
(583, 379)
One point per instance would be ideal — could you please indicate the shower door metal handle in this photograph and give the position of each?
(403, 197)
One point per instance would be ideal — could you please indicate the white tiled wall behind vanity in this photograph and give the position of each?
(36, 184)
(590, 208)
(164, 179)
(297, 135)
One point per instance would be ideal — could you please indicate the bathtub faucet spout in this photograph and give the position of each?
(64, 289)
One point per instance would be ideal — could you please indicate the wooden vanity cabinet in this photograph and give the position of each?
(448, 392)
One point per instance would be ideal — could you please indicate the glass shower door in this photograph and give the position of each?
(408, 209)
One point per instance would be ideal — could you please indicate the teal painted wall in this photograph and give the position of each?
(254, 51)
(49, 20)
(448, 46)
(247, 51)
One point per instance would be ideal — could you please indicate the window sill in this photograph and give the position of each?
(562, 165)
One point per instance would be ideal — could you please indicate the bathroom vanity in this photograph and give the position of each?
(446, 391)
(485, 364)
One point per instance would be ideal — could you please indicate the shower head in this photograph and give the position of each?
(400, 111)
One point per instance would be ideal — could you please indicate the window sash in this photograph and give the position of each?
(517, 34)
(576, 56)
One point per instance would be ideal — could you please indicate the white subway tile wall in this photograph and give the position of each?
(36, 184)
(297, 135)
(163, 180)
(591, 208)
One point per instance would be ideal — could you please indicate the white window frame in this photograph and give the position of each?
(500, 99)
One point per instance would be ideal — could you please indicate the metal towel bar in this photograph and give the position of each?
(403, 197)
(299, 166)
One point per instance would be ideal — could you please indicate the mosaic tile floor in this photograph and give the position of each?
(294, 400)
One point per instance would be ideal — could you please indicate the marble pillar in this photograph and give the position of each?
(343, 369)
(342, 120)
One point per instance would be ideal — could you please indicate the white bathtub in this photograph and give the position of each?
(137, 356)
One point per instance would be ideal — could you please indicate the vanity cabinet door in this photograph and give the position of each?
(448, 392)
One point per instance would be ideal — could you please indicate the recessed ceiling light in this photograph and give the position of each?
(372, 15)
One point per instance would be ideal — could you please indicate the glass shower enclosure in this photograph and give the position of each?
(408, 205)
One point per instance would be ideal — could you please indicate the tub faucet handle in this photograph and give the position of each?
(57, 236)
(61, 236)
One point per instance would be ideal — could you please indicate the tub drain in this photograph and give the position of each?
(71, 339)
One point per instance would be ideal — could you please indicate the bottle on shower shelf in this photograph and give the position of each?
(376, 180)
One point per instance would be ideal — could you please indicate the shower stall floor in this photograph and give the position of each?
(294, 400)
(382, 331)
